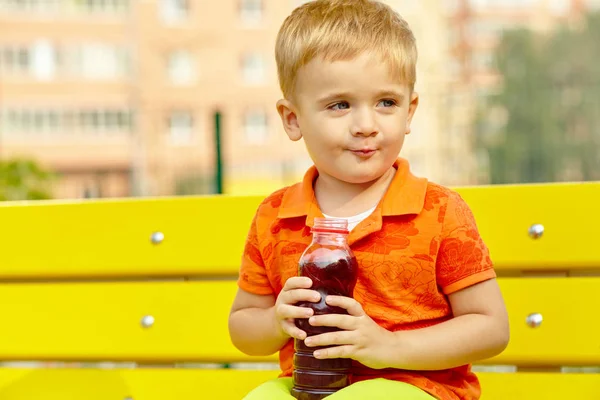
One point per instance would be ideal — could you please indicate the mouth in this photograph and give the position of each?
(366, 152)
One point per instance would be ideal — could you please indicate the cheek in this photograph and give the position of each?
(394, 127)
(321, 134)
(319, 143)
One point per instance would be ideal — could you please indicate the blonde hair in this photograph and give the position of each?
(341, 30)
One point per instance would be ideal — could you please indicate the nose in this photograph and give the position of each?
(364, 123)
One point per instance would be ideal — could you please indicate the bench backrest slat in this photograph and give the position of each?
(202, 236)
(103, 321)
(205, 235)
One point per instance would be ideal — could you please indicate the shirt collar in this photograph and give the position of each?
(405, 195)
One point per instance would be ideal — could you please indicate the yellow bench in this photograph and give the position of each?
(147, 284)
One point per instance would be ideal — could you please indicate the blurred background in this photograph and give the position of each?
(119, 98)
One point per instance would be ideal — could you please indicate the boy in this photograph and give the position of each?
(427, 303)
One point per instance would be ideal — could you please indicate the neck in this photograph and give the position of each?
(343, 199)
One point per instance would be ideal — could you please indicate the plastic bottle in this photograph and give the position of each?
(332, 266)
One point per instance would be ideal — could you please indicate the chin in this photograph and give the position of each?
(369, 175)
(359, 179)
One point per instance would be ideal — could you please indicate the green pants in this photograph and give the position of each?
(374, 389)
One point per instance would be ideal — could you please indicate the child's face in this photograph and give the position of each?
(352, 115)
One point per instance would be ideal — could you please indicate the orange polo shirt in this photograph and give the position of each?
(419, 245)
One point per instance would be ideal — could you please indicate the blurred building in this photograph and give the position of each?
(119, 96)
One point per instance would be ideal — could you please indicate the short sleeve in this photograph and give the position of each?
(463, 258)
(253, 274)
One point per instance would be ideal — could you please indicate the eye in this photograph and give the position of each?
(388, 103)
(342, 105)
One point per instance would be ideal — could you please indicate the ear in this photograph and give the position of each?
(412, 107)
(289, 118)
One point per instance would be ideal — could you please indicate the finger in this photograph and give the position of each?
(291, 329)
(296, 295)
(286, 311)
(331, 338)
(352, 306)
(345, 322)
(346, 351)
(297, 282)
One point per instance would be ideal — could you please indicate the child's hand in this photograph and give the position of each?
(296, 289)
(360, 339)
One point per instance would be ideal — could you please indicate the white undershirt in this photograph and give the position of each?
(355, 219)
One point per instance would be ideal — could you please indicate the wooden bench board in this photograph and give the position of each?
(111, 238)
(205, 235)
(163, 384)
(101, 321)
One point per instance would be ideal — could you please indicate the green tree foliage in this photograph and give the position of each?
(24, 180)
(544, 124)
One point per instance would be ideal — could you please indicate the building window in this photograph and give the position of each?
(10, 121)
(37, 60)
(43, 60)
(174, 11)
(251, 12)
(16, 121)
(181, 68)
(103, 6)
(15, 60)
(181, 128)
(62, 6)
(256, 128)
(31, 6)
(95, 61)
(253, 69)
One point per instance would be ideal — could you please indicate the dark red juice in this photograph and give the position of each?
(329, 262)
